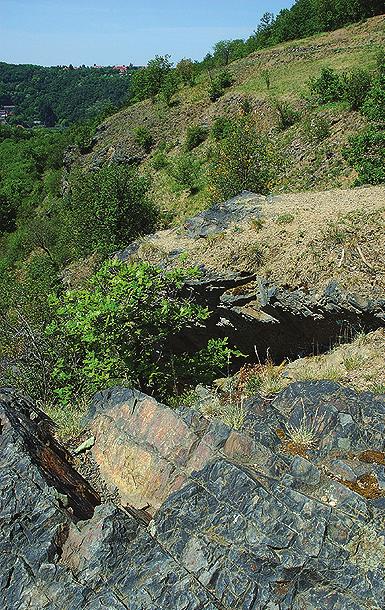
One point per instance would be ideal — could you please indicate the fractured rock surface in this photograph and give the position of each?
(263, 522)
(253, 311)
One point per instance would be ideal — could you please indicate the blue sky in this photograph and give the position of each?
(51, 32)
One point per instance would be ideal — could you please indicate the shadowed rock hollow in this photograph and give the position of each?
(286, 275)
(287, 513)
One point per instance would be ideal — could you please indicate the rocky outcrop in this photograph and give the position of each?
(255, 313)
(294, 519)
(147, 450)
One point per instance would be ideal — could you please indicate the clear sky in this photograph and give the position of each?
(52, 32)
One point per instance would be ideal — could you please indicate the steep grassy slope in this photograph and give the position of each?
(305, 160)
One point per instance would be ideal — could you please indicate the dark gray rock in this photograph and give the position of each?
(279, 530)
(255, 314)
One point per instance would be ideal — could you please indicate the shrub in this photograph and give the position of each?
(328, 87)
(316, 128)
(246, 106)
(221, 128)
(287, 116)
(159, 160)
(117, 330)
(169, 87)
(108, 208)
(186, 70)
(266, 77)
(366, 154)
(143, 138)
(374, 105)
(356, 87)
(186, 171)
(195, 135)
(208, 363)
(242, 161)
(222, 81)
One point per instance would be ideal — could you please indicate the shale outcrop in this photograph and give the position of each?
(284, 275)
(286, 513)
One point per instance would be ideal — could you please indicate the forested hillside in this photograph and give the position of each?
(60, 95)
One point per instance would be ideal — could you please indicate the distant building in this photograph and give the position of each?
(122, 69)
(6, 112)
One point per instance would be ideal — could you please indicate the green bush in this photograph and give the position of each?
(328, 87)
(221, 128)
(206, 364)
(366, 154)
(219, 84)
(159, 160)
(108, 208)
(169, 87)
(117, 330)
(195, 135)
(316, 128)
(186, 172)
(243, 160)
(374, 105)
(143, 138)
(356, 86)
(287, 116)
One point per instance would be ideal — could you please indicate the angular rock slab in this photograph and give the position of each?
(233, 538)
(147, 450)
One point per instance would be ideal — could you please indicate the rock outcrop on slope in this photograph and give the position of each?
(287, 515)
(313, 283)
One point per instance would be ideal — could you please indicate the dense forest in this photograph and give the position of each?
(55, 216)
(60, 95)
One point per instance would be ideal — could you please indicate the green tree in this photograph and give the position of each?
(241, 161)
(186, 70)
(108, 208)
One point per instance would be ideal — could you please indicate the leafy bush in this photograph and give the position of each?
(242, 161)
(208, 363)
(159, 160)
(221, 128)
(108, 208)
(374, 105)
(186, 171)
(356, 86)
(195, 135)
(117, 330)
(287, 116)
(222, 81)
(143, 138)
(169, 87)
(186, 70)
(328, 87)
(366, 154)
(316, 128)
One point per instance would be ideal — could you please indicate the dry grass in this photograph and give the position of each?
(333, 235)
(359, 364)
(68, 419)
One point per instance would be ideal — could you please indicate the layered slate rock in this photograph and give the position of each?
(146, 450)
(263, 522)
(251, 310)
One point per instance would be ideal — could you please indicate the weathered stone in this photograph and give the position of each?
(264, 529)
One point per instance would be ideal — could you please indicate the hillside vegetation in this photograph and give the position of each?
(306, 115)
(60, 94)
(307, 131)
